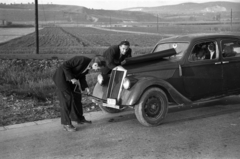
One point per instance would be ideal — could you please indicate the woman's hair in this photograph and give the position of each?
(125, 42)
(99, 60)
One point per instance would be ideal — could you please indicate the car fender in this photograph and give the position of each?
(100, 91)
(133, 95)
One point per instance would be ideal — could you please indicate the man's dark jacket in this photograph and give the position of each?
(72, 68)
(112, 56)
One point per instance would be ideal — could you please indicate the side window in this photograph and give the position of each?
(207, 50)
(230, 48)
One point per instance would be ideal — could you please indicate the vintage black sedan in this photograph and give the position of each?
(180, 71)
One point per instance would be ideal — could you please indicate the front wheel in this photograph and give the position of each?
(152, 108)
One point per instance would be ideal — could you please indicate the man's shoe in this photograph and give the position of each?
(69, 128)
(84, 121)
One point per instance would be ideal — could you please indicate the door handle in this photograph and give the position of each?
(225, 62)
(217, 63)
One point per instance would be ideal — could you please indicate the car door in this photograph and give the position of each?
(202, 76)
(230, 52)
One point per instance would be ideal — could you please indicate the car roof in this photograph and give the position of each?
(190, 37)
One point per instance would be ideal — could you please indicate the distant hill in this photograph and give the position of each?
(189, 8)
(51, 13)
(194, 11)
(68, 13)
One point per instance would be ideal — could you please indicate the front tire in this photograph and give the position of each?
(152, 108)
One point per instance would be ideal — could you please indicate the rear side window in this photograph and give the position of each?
(230, 48)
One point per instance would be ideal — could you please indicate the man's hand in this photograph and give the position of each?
(75, 81)
(123, 62)
(88, 91)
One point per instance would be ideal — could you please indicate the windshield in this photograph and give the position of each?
(179, 48)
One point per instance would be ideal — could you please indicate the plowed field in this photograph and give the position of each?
(61, 40)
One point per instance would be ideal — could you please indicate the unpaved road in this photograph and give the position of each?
(211, 131)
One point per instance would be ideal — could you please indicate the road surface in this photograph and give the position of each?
(211, 131)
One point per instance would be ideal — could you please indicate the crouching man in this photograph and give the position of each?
(71, 73)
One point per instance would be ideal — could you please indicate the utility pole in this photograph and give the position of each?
(110, 23)
(54, 19)
(157, 22)
(36, 26)
(231, 19)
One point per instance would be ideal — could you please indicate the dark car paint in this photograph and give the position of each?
(158, 73)
(209, 75)
(187, 70)
(230, 85)
(202, 79)
(185, 81)
(131, 97)
(149, 57)
(156, 65)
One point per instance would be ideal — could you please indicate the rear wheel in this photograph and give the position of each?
(152, 108)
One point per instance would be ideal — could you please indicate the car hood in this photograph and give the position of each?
(151, 63)
(149, 57)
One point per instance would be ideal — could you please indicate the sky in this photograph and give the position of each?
(112, 4)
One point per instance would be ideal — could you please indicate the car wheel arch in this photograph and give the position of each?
(147, 84)
(169, 97)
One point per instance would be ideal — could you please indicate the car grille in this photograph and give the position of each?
(115, 83)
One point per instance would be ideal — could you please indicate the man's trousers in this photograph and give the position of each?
(71, 106)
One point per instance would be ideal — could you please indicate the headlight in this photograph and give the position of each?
(126, 83)
(100, 79)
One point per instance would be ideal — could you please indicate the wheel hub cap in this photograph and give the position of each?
(152, 107)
